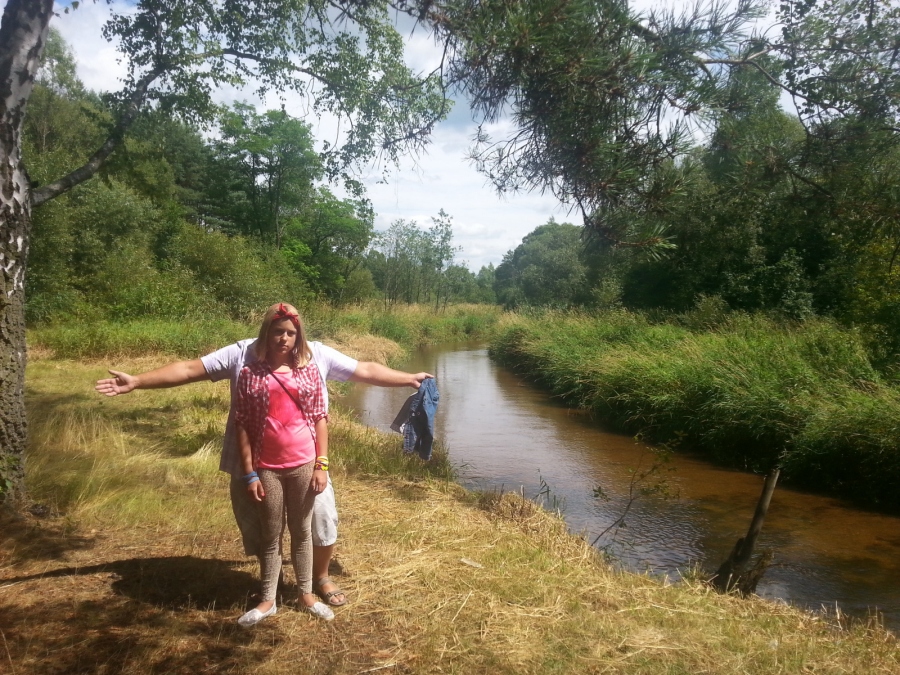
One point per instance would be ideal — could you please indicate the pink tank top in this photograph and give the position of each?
(287, 438)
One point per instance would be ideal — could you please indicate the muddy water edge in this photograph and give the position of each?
(503, 434)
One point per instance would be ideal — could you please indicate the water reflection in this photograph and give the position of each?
(504, 434)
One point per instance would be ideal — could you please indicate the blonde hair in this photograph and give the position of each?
(301, 353)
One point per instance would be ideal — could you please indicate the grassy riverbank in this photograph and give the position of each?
(747, 393)
(134, 565)
(410, 326)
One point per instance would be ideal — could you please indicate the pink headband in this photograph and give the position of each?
(283, 313)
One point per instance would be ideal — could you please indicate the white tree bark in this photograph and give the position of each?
(23, 34)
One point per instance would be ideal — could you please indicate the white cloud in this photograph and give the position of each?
(99, 65)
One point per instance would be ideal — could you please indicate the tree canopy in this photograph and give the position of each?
(545, 269)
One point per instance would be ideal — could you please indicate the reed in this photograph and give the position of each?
(748, 393)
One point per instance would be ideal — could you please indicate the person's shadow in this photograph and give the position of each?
(177, 582)
(157, 604)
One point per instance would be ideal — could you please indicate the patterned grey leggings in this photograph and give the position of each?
(286, 487)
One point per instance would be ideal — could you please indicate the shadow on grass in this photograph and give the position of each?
(116, 636)
(164, 615)
(175, 582)
(26, 539)
(412, 492)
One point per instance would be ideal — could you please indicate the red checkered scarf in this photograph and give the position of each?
(253, 400)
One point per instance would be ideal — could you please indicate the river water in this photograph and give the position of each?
(502, 433)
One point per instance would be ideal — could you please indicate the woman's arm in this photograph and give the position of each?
(254, 487)
(370, 372)
(320, 477)
(243, 438)
(171, 375)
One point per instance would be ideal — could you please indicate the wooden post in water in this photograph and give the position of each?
(731, 572)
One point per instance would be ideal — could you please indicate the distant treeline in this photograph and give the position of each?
(187, 220)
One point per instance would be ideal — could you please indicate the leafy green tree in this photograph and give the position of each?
(399, 261)
(171, 162)
(484, 283)
(327, 241)
(413, 265)
(777, 216)
(273, 166)
(545, 269)
(65, 122)
(839, 59)
(438, 260)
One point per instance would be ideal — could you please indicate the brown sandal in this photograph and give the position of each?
(328, 598)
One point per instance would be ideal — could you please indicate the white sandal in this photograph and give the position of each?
(254, 616)
(319, 609)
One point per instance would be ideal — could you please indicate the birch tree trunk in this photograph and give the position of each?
(23, 34)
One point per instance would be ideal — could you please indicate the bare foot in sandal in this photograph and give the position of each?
(326, 589)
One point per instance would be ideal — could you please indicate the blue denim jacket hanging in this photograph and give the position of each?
(416, 420)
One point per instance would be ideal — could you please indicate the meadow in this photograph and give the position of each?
(128, 561)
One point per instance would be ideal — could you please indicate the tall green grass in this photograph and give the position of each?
(410, 326)
(748, 393)
(108, 339)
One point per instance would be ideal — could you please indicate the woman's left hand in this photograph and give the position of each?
(319, 480)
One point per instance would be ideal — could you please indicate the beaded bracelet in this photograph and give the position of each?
(251, 478)
(321, 463)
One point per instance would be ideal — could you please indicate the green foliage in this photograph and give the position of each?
(107, 339)
(413, 265)
(64, 123)
(749, 393)
(359, 286)
(235, 273)
(840, 58)
(418, 325)
(201, 332)
(777, 217)
(351, 66)
(393, 327)
(267, 168)
(546, 269)
(330, 237)
(103, 250)
(588, 84)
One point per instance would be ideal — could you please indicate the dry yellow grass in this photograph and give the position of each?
(367, 347)
(138, 569)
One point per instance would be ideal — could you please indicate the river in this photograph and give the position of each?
(503, 434)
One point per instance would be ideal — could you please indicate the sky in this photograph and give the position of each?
(485, 224)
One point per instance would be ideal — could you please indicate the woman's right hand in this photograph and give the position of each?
(120, 383)
(256, 491)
